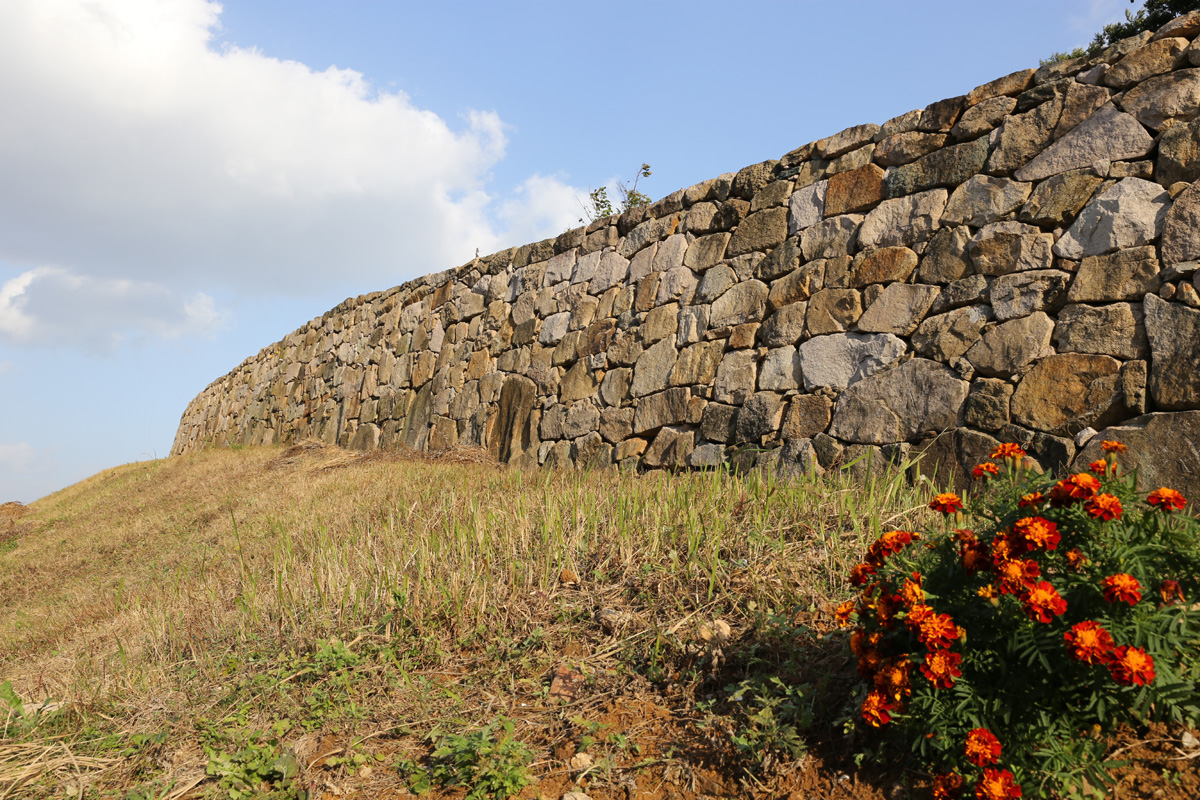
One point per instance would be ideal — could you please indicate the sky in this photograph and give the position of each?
(183, 182)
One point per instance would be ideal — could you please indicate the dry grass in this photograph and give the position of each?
(197, 591)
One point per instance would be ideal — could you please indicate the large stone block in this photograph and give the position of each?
(843, 359)
(663, 408)
(1115, 330)
(899, 309)
(1162, 448)
(1023, 293)
(983, 199)
(1063, 394)
(1129, 214)
(906, 403)
(1107, 135)
(1009, 347)
(946, 337)
(903, 221)
(1174, 333)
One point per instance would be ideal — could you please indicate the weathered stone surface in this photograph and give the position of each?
(1162, 448)
(579, 383)
(912, 401)
(806, 416)
(611, 272)
(554, 328)
(1172, 96)
(1055, 202)
(1107, 135)
(716, 422)
(1113, 330)
(697, 364)
(1023, 293)
(614, 389)
(899, 124)
(660, 323)
(884, 265)
(581, 418)
(798, 285)
(676, 284)
(1079, 103)
(903, 220)
(616, 424)
(706, 251)
(833, 311)
(1022, 137)
(668, 255)
(785, 326)
(1174, 333)
(1129, 214)
(982, 118)
(844, 141)
(670, 448)
(1124, 275)
(761, 415)
(899, 309)
(1147, 61)
(744, 302)
(1179, 154)
(834, 237)
(1186, 26)
(945, 257)
(760, 231)
(1063, 394)
(948, 336)
(653, 367)
(940, 117)
(779, 370)
(662, 408)
(988, 404)
(983, 199)
(511, 435)
(906, 147)
(1004, 247)
(1181, 228)
(949, 166)
(806, 207)
(736, 377)
(1007, 348)
(843, 359)
(1011, 84)
(856, 190)
(783, 259)
(714, 283)
(773, 194)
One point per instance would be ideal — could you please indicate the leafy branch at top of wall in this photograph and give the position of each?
(1152, 16)
(599, 205)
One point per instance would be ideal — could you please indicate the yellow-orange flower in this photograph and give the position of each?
(1076, 488)
(843, 613)
(1099, 466)
(982, 747)
(947, 786)
(1042, 602)
(997, 784)
(986, 468)
(946, 503)
(1109, 446)
(1032, 500)
(1037, 533)
(1131, 666)
(1014, 575)
(1007, 450)
(892, 679)
(911, 593)
(941, 667)
(875, 709)
(1121, 587)
(1167, 499)
(1088, 642)
(987, 592)
(1076, 558)
(1103, 507)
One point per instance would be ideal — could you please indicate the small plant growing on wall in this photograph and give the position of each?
(599, 205)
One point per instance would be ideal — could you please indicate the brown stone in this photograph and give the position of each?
(758, 232)
(1113, 330)
(884, 265)
(904, 148)
(1011, 84)
(664, 408)
(1007, 348)
(857, 190)
(988, 404)
(806, 416)
(1174, 332)
(833, 311)
(1162, 448)
(1063, 394)
(1123, 275)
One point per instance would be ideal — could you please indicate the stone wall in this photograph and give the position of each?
(1016, 264)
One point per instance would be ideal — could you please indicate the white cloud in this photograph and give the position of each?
(140, 156)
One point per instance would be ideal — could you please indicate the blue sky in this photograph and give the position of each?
(185, 182)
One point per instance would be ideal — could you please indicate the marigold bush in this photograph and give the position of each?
(999, 648)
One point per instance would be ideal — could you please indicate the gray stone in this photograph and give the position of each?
(1179, 154)
(707, 456)
(904, 220)
(582, 418)
(611, 272)
(559, 268)
(1181, 229)
(736, 377)
(744, 302)
(706, 251)
(1004, 247)
(714, 283)
(1063, 394)
(949, 166)
(616, 424)
(614, 389)
(797, 459)
(1011, 84)
(946, 337)
(1162, 448)
(833, 311)
(779, 370)
(797, 285)
(785, 326)
(717, 421)
(1186, 26)
(835, 236)
(676, 284)
(903, 123)
(885, 265)
(904, 148)
(660, 323)
(843, 359)
(988, 404)
(909, 402)
(670, 448)
(847, 140)
(982, 118)
(586, 267)
(1123, 275)
(759, 232)
(579, 383)
(761, 415)
(1023, 293)
(551, 425)
(782, 260)
(669, 254)
(591, 452)
(1172, 96)
(773, 194)
(653, 367)
(1129, 214)
(940, 117)
(806, 207)
(899, 309)
(663, 408)
(1022, 137)
(1007, 348)
(512, 433)
(1079, 103)
(697, 364)
(829, 450)
(1174, 333)
(1113, 330)
(554, 328)
(945, 257)
(983, 199)
(1055, 201)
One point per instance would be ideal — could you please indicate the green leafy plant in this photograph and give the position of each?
(599, 204)
(490, 762)
(1152, 16)
(253, 767)
(774, 717)
(1000, 654)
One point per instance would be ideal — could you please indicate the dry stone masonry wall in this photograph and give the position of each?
(1018, 263)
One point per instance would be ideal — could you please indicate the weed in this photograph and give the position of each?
(490, 763)
(253, 766)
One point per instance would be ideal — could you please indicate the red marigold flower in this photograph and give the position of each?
(947, 787)
(843, 614)
(875, 709)
(975, 558)
(862, 642)
(1037, 533)
(1122, 587)
(941, 668)
(888, 545)
(911, 592)
(892, 679)
(1109, 446)
(1170, 592)
(1103, 507)
(982, 748)
(1007, 450)
(1089, 643)
(946, 503)
(997, 784)
(937, 631)
(1032, 500)
(1099, 466)
(860, 573)
(1167, 499)
(1131, 666)
(1014, 575)
(986, 468)
(886, 608)
(1003, 548)
(918, 614)
(1078, 487)
(1043, 602)
(1076, 558)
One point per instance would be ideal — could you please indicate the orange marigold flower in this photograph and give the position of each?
(868, 664)
(1167, 499)
(1076, 559)
(886, 608)
(875, 709)
(1032, 500)
(997, 784)
(1014, 575)
(1121, 587)
(843, 613)
(892, 679)
(986, 468)
(1170, 592)
(947, 787)
(1043, 602)
(1109, 446)
(917, 615)
(941, 667)
(860, 573)
(975, 558)
(946, 503)
(1003, 548)
(982, 748)
(1037, 533)
(1078, 487)
(911, 593)
(1099, 466)
(862, 642)
(888, 545)
(1089, 643)
(1131, 666)
(1103, 507)
(987, 592)
(937, 631)
(1007, 450)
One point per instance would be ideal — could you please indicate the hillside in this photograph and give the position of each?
(315, 623)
